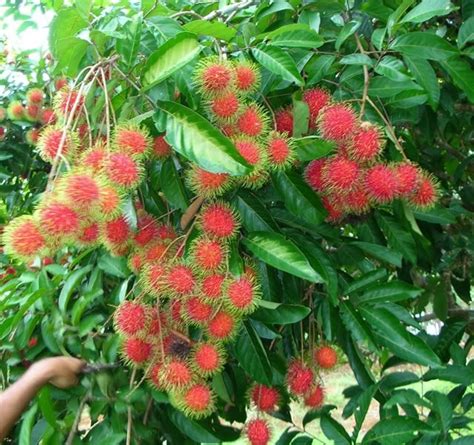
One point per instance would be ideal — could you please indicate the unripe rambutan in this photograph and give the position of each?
(52, 143)
(243, 294)
(381, 183)
(80, 188)
(315, 397)
(252, 121)
(161, 148)
(408, 178)
(67, 100)
(208, 254)
(33, 112)
(265, 397)
(258, 432)
(325, 357)
(247, 77)
(299, 378)
(224, 106)
(110, 202)
(222, 326)
(57, 219)
(89, 234)
(123, 171)
(426, 193)
(176, 374)
(131, 318)
(34, 96)
(280, 151)
(116, 232)
(366, 143)
(180, 279)
(195, 311)
(3, 114)
(334, 206)
(336, 122)
(147, 230)
(212, 286)
(284, 121)
(207, 184)
(32, 136)
(48, 117)
(316, 99)
(22, 238)
(207, 359)
(313, 174)
(214, 76)
(16, 110)
(250, 150)
(132, 140)
(196, 401)
(136, 351)
(219, 220)
(340, 174)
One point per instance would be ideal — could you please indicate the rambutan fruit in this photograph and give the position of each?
(334, 206)
(252, 121)
(175, 374)
(135, 262)
(381, 183)
(2, 133)
(207, 184)
(207, 359)
(147, 230)
(340, 174)
(208, 254)
(250, 150)
(284, 121)
(325, 357)
(280, 151)
(180, 279)
(224, 106)
(214, 76)
(67, 100)
(316, 99)
(313, 174)
(154, 375)
(195, 311)
(166, 232)
(94, 158)
(197, 401)
(222, 326)
(426, 194)
(228, 129)
(155, 251)
(175, 311)
(131, 318)
(57, 219)
(23, 239)
(409, 177)
(258, 432)
(80, 188)
(315, 397)
(255, 180)
(158, 325)
(212, 286)
(247, 77)
(60, 83)
(219, 220)
(48, 117)
(265, 397)
(336, 122)
(116, 232)
(3, 114)
(136, 351)
(153, 278)
(32, 136)
(33, 112)
(89, 234)
(53, 143)
(366, 143)
(16, 110)
(110, 202)
(161, 148)
(299, 378)
(356, 201)
(132, 140)
(243, 294)
(123, 171)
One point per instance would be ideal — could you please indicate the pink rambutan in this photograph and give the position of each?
(176, 374)
(243, 294)
(53, 143)
(181, 279)
(280, 151)
(366, 143)
(258, 432)
(225, 105)
(336, 122)
(207, 184)
(426, 194)
(252, 121)
(313, 174)
(196, 401)
(116, 231)
(132, 140)
(80, 188)
(207, 359)
(196, 311)
(222, 326)
(299, 378)
(265, 397)
(408, 178)
(340, 174)
(208, 254)
(381, 183)
(212, 286)
(315, 397)
(219, 220)
(48, 117)
(250, 150)
(131, 318)
(214, 76)
(136, 351)
(284, 121)
(161, 148)
(247, 76)
(22, 238)
(57, 219)
(316, 99)
(34, 96)
(122, 170)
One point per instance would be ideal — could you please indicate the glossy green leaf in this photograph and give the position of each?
(424, 45)
(384, 292)
(365, 281)
(425, 76)
(195, 138)
(312, 147)
(319, 68)
(298, 39)
(255, 216)
(386, 88)
(333, 430)
(46, 406)
(116, 266)
(466, 33)
(357, 59)
(71, 285)
(461, 375)
(129, 46)
(27, 425)
(215, 29)
(282, 314)
(172, 185)
(281, 253)
(358, 328)
(380, 252)
(462, 74)
(347, 30)
(279, 62)
(191, 428)
(392, 68)
(169, 58)
(428, 9)
(395, 431)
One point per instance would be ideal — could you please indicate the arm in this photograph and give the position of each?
(60, 371)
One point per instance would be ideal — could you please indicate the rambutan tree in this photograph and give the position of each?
(223, 206)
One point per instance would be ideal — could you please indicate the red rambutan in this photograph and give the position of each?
(228, 129)
(161, 148)
(16, 110)
(131, 318)
(299, 378)
(426, 193)
(33, 112)
(247, 77)
(334, 206)
(66, 101)
(89, 234)
(252, 121)
(336, 122)
(325, 357)
(366, 144)
(284, 121)
(381, 183)
(34, 96)
(153, 278)
(207, 359)
(208, 254)
(60, 83)
(116, 231)
(222, 326)
(110, 202)
(316, 99)
(250, 150)
(80, 188)
(219, 220)
(94, 157)
(147, 230)
(136, 351)
(207, 184)
(214, 76)
(212, 286)
(243, 294)
(258, 432)
(313, 174)
(224, 106)
(265, 397)
(196, 311)
(196, 401)
(356, 201)
(135, 262)
(156, 251)
(280, 151)
(58, 219)
(154, 375)
(340, 174)
(408, 178)
(166, 232)
(315, 397)
(132, 140)
(158, 325)
(48, 116)
(123, 170)
(181, 279)
(32, 136)
(176, 374)
(52, 144)
(22, 238)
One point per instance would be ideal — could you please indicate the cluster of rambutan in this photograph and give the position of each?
(355, 178)
(182, 296)
(226, 87)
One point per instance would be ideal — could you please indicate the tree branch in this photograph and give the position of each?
(365, 92)
(229, 10)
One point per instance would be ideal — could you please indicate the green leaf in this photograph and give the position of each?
(365, 281)
(172, 185)
(425, 75)
(319, 68)
(384, 88)
(395, 431)
(67, 49)
(356, 325)
(298, 197)
(300, 116)
(116, 266)
(466, 33)
(334, 430)
(436, 216)
(428, 9)
(27, 426)
(281, 253)
(357, 59)
(302, 38)
(347, 30)
(388, 292)
(251, 355)
(312, 147)
(443, 408)
(282, 314)
(462, 75)
(70, 286)
(46, 406)
(392, 334)
(169, 58)
(392, 68)
(196, 139)
(218, 30)
(278, 62)
(379, 252)
(424, 45)
(191, 428)
(128, 47)
(254, 214)
(462, 375)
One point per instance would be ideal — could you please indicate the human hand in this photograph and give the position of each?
(62, 372)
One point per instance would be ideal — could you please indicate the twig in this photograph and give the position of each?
(129, 411)
(147, 411)
(229, 9)
(75, 424)
(366, 76)
(183, 13)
